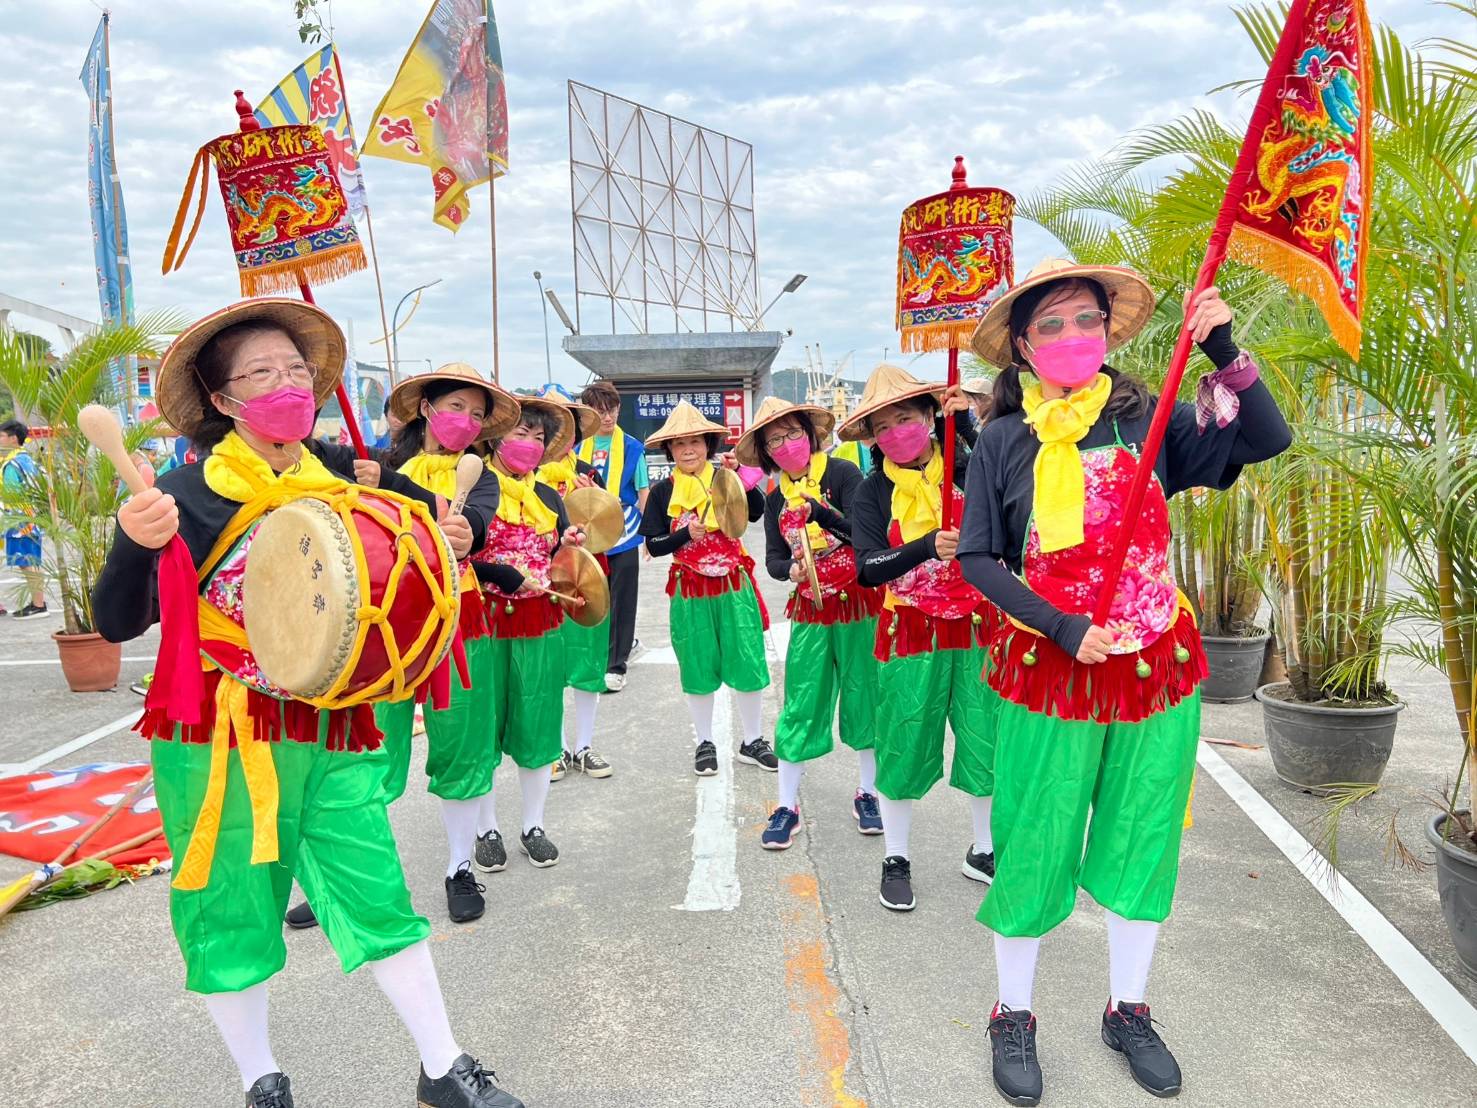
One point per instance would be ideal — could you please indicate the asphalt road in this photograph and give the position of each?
(605, 982)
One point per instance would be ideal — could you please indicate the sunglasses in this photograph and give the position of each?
(1049, 325)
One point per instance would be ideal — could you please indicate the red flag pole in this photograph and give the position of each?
(249, 123)
(1215, 254)
(946, 520)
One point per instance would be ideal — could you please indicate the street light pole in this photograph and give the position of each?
(548, 365)
(394, 351)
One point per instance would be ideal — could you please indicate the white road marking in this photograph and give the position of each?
(1437, 995)
(57, 661)
(20, 769)
(714, 884)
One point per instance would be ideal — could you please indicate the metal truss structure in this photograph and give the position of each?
(663, 221)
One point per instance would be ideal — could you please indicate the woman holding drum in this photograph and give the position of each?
(525, 705)
(270, 784)
(717, 617)
(833, 618)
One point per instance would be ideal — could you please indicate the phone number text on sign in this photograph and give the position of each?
(659, 405)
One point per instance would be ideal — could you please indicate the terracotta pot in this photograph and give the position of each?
(89, 662)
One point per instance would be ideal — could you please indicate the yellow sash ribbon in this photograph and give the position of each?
(560, 474)
(437, 473)
(1060, 484)
(615, 461)
(519, 503)
(917, 495)
(690, 493)
(796, 492)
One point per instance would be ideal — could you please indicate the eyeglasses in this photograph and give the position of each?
(1049, 325)
(774, 442)
(269, 376)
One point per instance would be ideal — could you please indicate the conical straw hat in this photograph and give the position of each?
(1130, 304)
(563, 439)
(502, 414)
(587, 417)
(888, 384)
(686, 420)
(747, 450)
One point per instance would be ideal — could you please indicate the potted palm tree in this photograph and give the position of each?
(76, 491)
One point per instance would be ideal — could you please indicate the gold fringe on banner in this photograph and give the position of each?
(315, 269)
(1302, 273)
(938, 336)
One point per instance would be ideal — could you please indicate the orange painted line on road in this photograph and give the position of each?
(814, 996)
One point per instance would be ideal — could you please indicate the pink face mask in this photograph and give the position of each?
(904, 443)
(793, 456)
(520, 455)
(1070, 363)
(454, 430)
(282, 415)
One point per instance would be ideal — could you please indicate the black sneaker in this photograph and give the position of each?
(541, 852)
(466, 1085)
(271, 1091)
(558, 770)
(783, 823)
(300, 917)
(897, 884)
(979, 865)
(489, 855)
(758, 753)
(705, 761)
(1013, 1055)
(32, 611)
(464, 901)
(1130, 1031)
(867, 813)
(591, 764)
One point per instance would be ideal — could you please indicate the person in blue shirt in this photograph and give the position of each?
(22, 542)
(621, 463)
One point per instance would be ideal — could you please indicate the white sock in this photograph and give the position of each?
(585, 705)
(564, 741)
(460, 818)
(897, 821)
(701, 710)
(1015, 966)
(866, 771)
(487, 812)
(408, 979)
(534, 784)
(1130, 952)
(790, 776)
(241, 1018)
(979, 808)
(751, 713)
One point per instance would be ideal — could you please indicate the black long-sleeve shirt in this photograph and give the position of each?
(1001, 485)
(839, 485)
(656, 525)
(125, 601)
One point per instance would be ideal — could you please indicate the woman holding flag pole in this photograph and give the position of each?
(1099, 664)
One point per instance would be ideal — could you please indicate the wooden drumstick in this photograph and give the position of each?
(102, 430)
(468, 470)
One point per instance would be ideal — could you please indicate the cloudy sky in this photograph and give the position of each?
(854, 110)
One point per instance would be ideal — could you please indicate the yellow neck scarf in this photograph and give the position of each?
(559, 474)
(434, 472)
(237, 472)
(690, 494)
(796, 492)
(518, 503)
(917, 495)
(1060, 485)
(615, 461)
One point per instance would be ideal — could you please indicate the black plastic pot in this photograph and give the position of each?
(1235, 668)
(1456, 883)
(1313, 746)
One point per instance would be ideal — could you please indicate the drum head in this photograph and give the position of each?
(575, 572)
(300, 597)
(599, 515)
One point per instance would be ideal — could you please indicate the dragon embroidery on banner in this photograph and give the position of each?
(312, 202)
(1307, 167)
(969, 271)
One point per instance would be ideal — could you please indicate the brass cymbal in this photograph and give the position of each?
(730, 503)
(575, 572)
(599, 514)
(807, 563)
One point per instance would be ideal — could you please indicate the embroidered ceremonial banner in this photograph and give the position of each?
(1304, 214)
(955, 256)
(314, 92)
(288, 217)
(447, 108)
